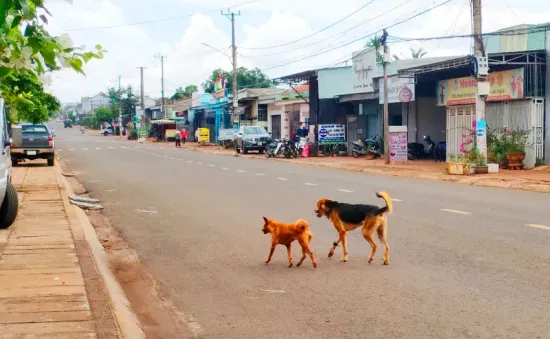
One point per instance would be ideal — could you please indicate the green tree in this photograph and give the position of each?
(27, 101)
(246, 78)
(415, 53)
(179, 94)
(182, 93)
(376, 43)
(104, 114)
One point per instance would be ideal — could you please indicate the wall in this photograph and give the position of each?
(273, 109)
(431, 120)
(547, 102)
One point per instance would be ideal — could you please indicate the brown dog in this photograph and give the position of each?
(348, 217)
(285, 234)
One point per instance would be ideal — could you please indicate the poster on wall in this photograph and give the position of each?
(505, 85)
(399, 90)
(364, 69)
(398, 143)
(332, 134)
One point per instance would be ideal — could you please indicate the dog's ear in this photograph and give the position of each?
(266, 221)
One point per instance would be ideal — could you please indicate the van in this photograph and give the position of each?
(9, 201)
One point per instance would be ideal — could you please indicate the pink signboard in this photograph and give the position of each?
(398, 143)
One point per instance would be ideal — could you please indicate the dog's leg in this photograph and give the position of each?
(302, 258)
(344, 246)
(270, 253)
(333, 248)
(383, 236)
(312, 256)
(367, 234)
(289, 250)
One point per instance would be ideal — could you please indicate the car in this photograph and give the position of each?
(251, 138)
(32, 141)
(9, 201)
(68, 124)
(107, 130)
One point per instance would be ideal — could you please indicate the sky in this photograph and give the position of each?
(278, 36)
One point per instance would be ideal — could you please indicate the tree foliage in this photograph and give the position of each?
(415, 53)
(186, 93)
(246, 78)
(27, 51)
(123, 100)
(376, 43)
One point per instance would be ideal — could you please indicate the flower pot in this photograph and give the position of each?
(492, 168)
(458, 168)
(515, 160)
(481, 169)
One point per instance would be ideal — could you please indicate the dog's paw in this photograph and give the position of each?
(371, 259)
(386, 262)
(267, 262)
(290, 265)
(330, 254)
(314, 265)
(344, 259)
(299, 264)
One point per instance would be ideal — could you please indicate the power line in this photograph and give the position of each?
(361, 38)
(513, 12)
(367, 20)
(161, 20)
(315, 33)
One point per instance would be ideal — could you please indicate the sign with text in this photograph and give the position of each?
(505, 85)
(204, 135)
(398, 143)
(364, 69)
(399, 90)
(332, 134)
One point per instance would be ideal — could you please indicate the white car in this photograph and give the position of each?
(107, 130)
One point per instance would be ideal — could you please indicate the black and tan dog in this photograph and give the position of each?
(348, 217)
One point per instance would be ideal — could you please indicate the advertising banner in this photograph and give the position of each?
(332, 134)
(364, 69)
(505, 85)
(399, 90)
(398, 143)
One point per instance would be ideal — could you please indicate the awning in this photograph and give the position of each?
(162, 122)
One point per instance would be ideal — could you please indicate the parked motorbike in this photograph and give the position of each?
(278, 147)
(415, 150)
(82, 130)
(439, 151)
(369, 147)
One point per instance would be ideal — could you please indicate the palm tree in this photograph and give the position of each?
(418, 53)
(376, 43)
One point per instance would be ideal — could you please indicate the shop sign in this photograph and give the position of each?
(504, 85)
(204, 135)
(332, 134)
(364, 69)
(399, 90)
(398, 143)
(226, 134)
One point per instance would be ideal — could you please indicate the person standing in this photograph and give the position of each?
(183, 135)
(178, 139)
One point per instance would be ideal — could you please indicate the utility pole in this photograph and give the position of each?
(162, 57)
(482, 72)
(119, 109)
(386, 110)
(231, 16)
(142, 95)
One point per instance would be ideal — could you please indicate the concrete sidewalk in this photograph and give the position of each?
(49, 286)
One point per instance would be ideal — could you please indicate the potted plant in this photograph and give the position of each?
(514, 143)
(457, 165)
(477, 161)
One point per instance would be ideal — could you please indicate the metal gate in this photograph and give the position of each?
(459, 126)
(352, 131)
(276, 126)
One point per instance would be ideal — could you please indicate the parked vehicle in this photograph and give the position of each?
(9, 201)
(283, 148)
(32, 141)
(415, 150)
(251, 138)
(106, 130)
(301, 145)
(439, 151)
(368, 148)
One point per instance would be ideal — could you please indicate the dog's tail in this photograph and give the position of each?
(302, 225)
(387, 199)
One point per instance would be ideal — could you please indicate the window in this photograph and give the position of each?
(254, 130)
(34, 129)
(262, 112)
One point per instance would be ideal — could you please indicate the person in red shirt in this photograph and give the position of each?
(183, 135)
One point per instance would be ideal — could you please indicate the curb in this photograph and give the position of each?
(127, 322)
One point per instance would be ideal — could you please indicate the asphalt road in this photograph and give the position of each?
(464, 262)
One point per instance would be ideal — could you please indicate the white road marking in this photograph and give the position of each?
(395, 199)
(150, 212)
(210, 165)
(172, 158)
(273, 291)
(309, 184)
(225, 168)
(72, 149)
(259, 174)
(283, 179)
(189, 161)
(241, 171)
(199, 163)
(110, 147)
(542, 227)
(345, 191)
(123, 147)
(111, 190)
(98, 148)
(84, 149)
(92, 181)
(455, 211)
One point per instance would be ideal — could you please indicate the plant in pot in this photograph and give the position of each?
(514, 143)
(477, 161)
(457, 165)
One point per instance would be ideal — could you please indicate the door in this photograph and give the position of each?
(352, 130)
(372, 125)
(459, 127)
(276, 126)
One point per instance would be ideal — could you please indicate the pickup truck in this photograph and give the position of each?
(32, 141)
